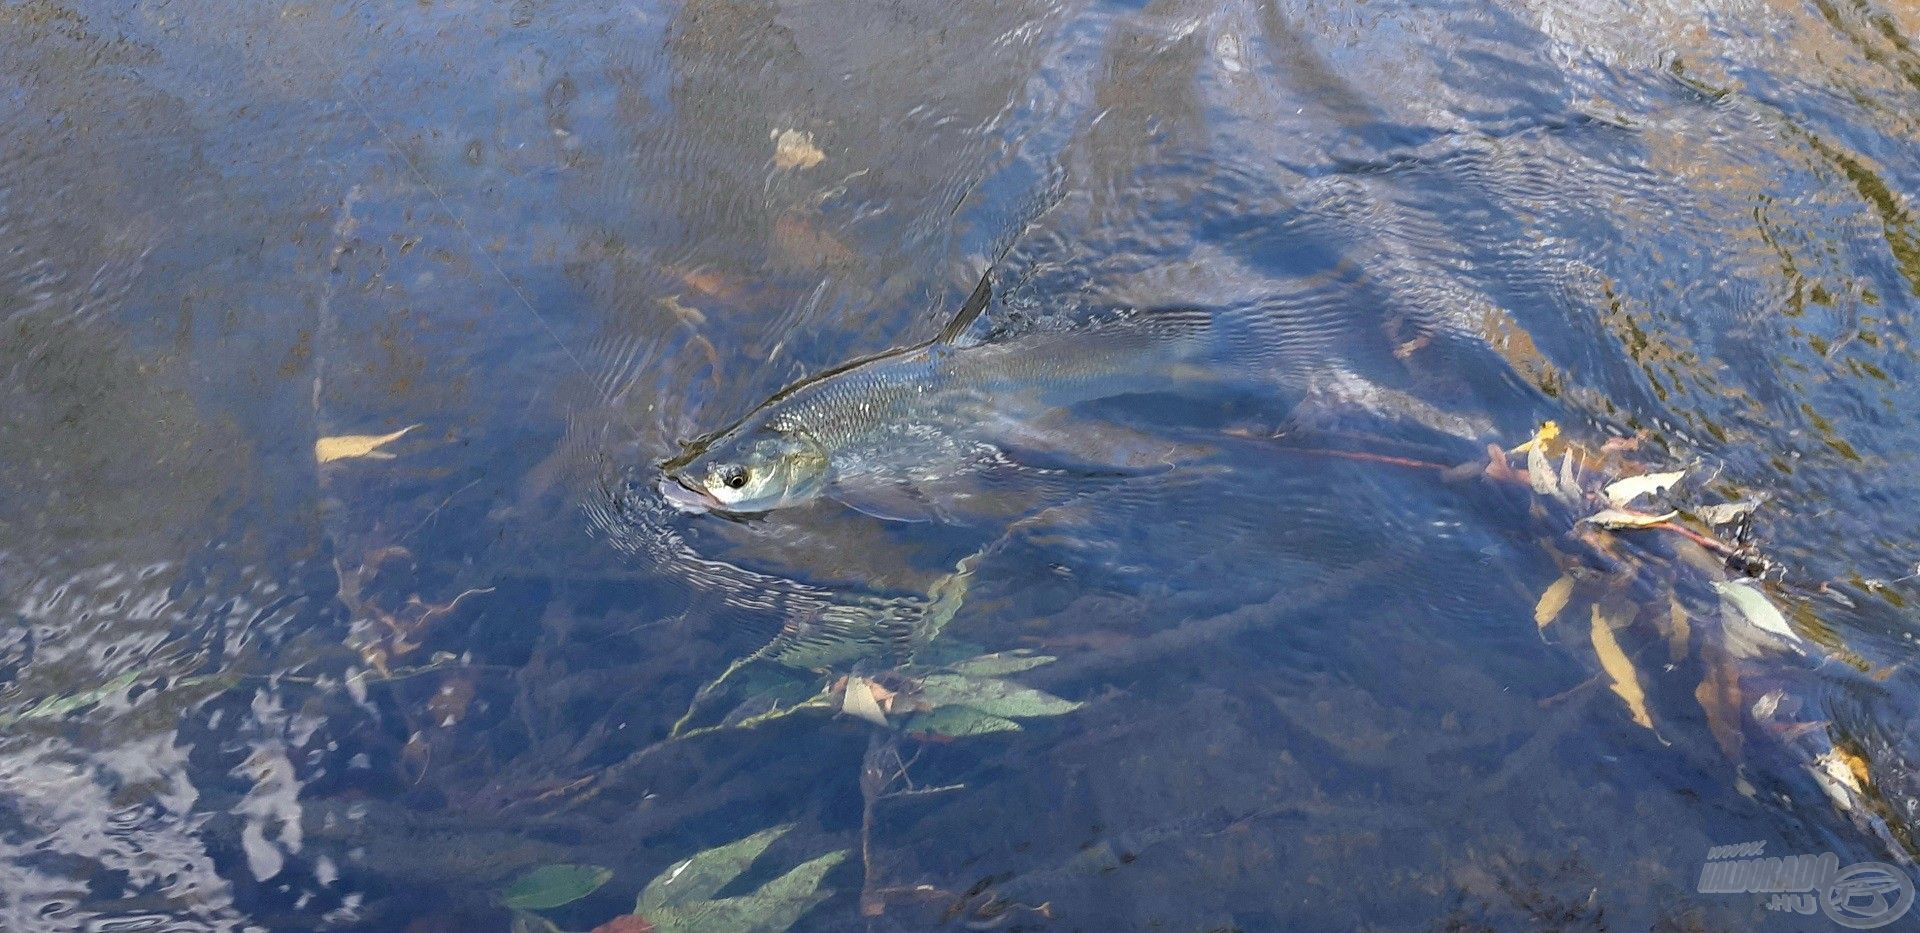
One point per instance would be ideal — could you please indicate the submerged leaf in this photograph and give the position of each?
(776, 906)
(1844, 776)
(1540, 473)
(350, 446)
(944, 599)
(625, 923)
(1719, 696)
(699, 877)
(1623, 518)
(1001, 663)
(795, 149)
(553, 886)
(1725, 513)
(1623, 492)
(1751, 604)
(1679, 628)
(996, 697)
(1553, 601)
(958, 722)
(1623, 679)
(524, 922)
(55, 707)
(1497, 467)
(859, 702)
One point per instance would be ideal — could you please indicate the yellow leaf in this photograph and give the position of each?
(1856, 764)
(1844, 776)
(351, 446)
(1548, 433)
(1553, 601)
(795, 149)
(1620, 673)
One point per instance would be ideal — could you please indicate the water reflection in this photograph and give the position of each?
(244, 687)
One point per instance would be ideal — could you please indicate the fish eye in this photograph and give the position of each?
(734, 476)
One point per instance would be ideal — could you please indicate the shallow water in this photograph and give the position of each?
(246, 689)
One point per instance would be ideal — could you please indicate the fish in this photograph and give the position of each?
(891, 434)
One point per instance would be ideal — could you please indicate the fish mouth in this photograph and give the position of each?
(686, 497)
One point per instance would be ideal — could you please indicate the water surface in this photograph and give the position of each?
(246, 689)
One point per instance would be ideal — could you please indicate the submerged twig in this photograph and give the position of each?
(873, 784)
(1365, 457)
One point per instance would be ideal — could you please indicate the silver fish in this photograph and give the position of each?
(882, 434)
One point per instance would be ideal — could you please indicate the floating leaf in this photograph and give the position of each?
(795, 149)
(1624, 681)
(1751, 604)
(958, 722)
(1553, 601)
(554, 885)
(773, 908)
(350, 446)
(1001, 664)
(1624, 518)
(859, 702)
(1623, 492)
(996, 697)
(697, 878)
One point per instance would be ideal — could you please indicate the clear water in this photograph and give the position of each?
(247, 690)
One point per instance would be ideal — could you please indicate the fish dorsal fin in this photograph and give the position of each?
(969, 312)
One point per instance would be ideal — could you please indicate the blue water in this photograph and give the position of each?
(248, 686)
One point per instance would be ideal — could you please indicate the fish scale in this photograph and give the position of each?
(958, 387)
(938, 410)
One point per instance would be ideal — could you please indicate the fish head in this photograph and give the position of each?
(749, 469)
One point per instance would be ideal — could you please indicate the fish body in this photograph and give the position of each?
(878, 433)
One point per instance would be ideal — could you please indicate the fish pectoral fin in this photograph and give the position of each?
(1092, 446)
(893, 501)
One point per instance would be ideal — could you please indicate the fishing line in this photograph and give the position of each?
(473, 242)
